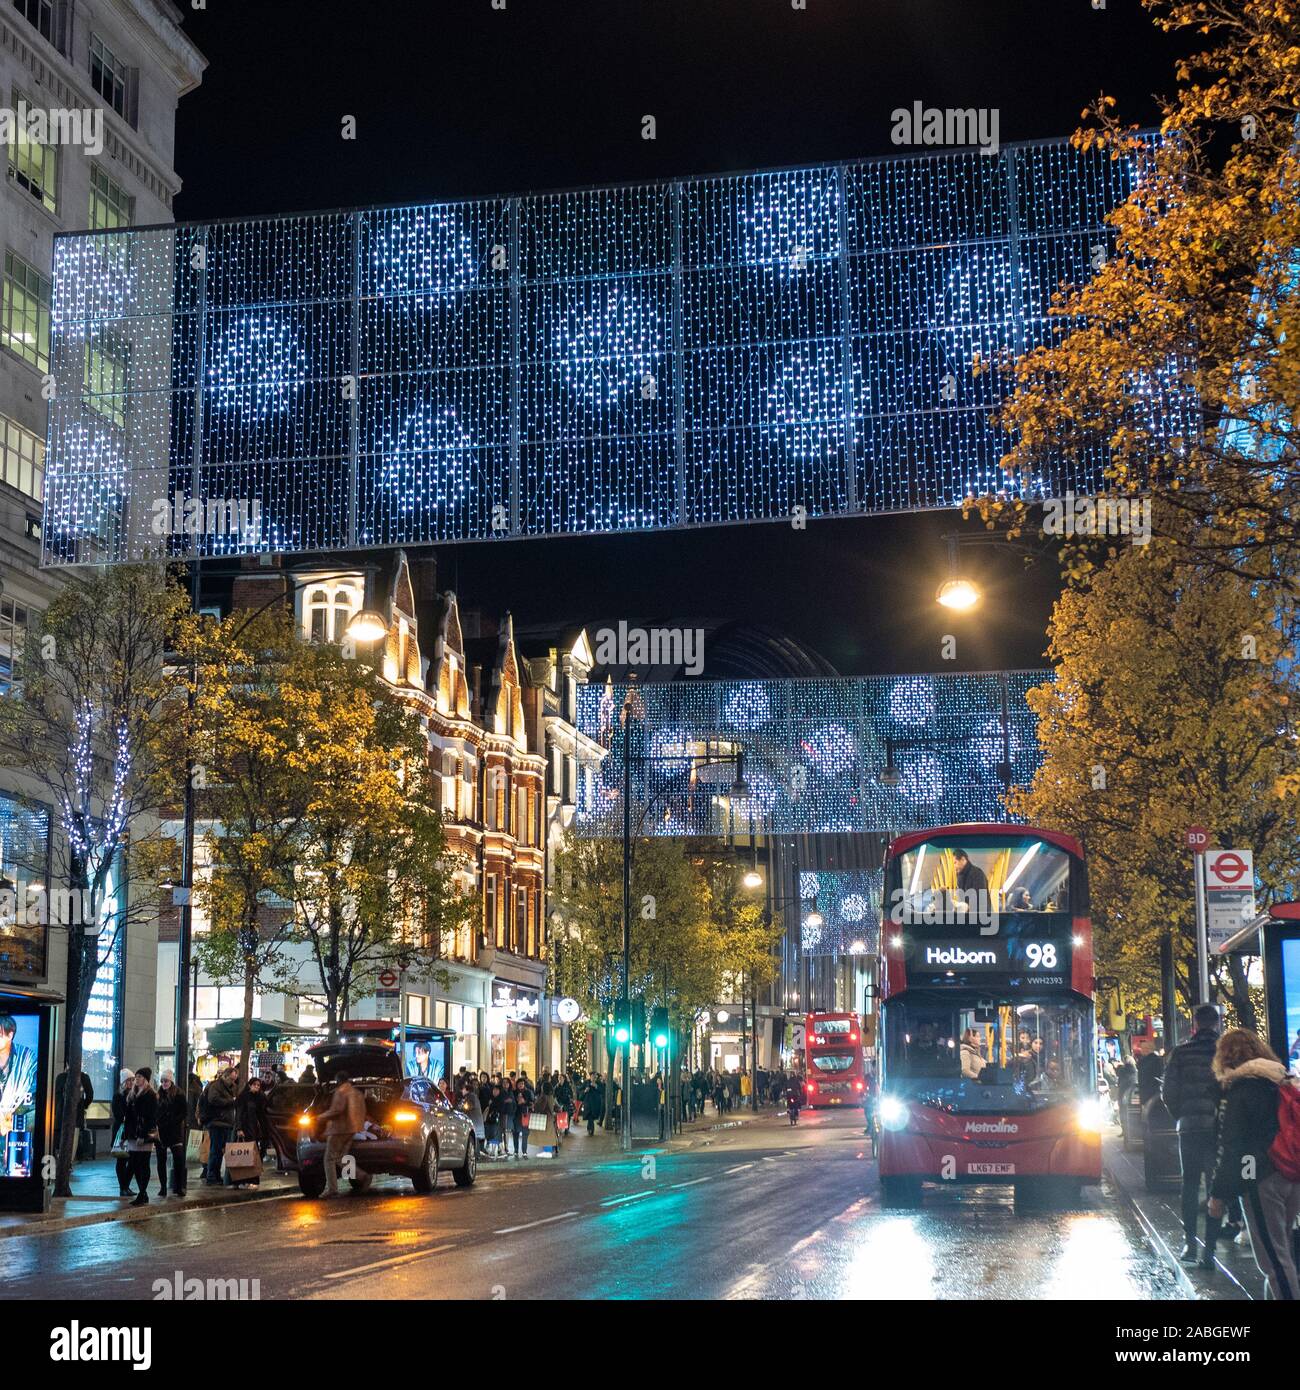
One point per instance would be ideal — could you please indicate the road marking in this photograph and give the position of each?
(529, 1225)
(693, 1182)
(739, 1168)
(805, 1242)
(617, 1201)
(394, 1260)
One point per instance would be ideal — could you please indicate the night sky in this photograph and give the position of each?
(454, 99)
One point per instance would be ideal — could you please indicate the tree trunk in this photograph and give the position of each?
(83, 966)
(246, 1031)
(332, 984)
(83, 972)
(1239, 994)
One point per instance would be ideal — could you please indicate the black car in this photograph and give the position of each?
(410, 1129)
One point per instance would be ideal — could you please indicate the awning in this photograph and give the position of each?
(227, 1036)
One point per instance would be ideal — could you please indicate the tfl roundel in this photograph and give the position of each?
(1229, 868)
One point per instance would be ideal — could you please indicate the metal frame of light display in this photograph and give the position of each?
(690, 353)
(814, 751)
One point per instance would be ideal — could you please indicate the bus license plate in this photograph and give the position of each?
(991, 1169)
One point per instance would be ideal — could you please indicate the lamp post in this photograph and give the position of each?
(739, 789)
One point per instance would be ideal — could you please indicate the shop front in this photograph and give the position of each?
(514, 1028)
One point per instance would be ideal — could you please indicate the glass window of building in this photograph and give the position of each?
(106, 381)
(47, 17)
(33, 166)
(464, 1048)
(25, 313)
(111, 206)
(22, 458)
(328, 610)
(417, 1009)
(468, 772)
(450, 782)
(13, 635)
(110, 77)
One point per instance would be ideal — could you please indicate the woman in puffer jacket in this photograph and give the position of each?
(1251, 1077)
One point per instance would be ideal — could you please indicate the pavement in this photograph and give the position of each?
(741, 1207)
(1235, 1276)
(96, 1199)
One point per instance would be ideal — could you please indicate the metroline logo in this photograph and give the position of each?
(991, 1127)
(958, 955)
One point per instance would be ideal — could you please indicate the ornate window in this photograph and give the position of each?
(328, 608)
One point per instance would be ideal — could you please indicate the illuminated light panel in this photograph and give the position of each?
(629, 358)
(813, 762)
(849, 905)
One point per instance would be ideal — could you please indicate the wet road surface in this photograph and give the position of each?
(762, 1211)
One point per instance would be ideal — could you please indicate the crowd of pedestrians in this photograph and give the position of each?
(1238, 1117)
(501, 1107)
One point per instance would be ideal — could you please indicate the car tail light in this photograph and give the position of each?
(405, 1117)
(811, 1088)
(853, 1037)
(857, 1085)
(304, 1121)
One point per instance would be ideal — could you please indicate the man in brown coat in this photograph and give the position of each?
(345, 1116)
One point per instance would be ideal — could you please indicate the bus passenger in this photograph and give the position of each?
(972, 1059)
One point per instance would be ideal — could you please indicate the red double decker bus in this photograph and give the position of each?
(833, 1061)
(987, 1024)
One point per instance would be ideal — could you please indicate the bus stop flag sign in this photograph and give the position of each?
(1229, 893)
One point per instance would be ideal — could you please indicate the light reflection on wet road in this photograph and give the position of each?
(759, 1212)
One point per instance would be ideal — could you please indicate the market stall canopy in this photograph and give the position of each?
(227, 1036)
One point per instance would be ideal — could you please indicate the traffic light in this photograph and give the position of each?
(622, 1022)
(659, 1033)
(638, 1021)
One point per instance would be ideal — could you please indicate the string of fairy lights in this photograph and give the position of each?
(627, 358)
(815, 751)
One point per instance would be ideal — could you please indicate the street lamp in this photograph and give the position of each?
(961, 595)
(366, 627)
(957, 592)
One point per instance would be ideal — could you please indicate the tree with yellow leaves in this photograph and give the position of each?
(1180, 358)
(319, 796)
(1167, 711)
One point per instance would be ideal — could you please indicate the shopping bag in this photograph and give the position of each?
(204, 1145)
(243, 1161)
(538, 1125)
(562, 1122)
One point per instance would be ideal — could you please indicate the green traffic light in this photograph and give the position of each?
(622, 1033)
(661, 1039)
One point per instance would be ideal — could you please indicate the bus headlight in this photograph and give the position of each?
(1090, 1116)
(893, 1113)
